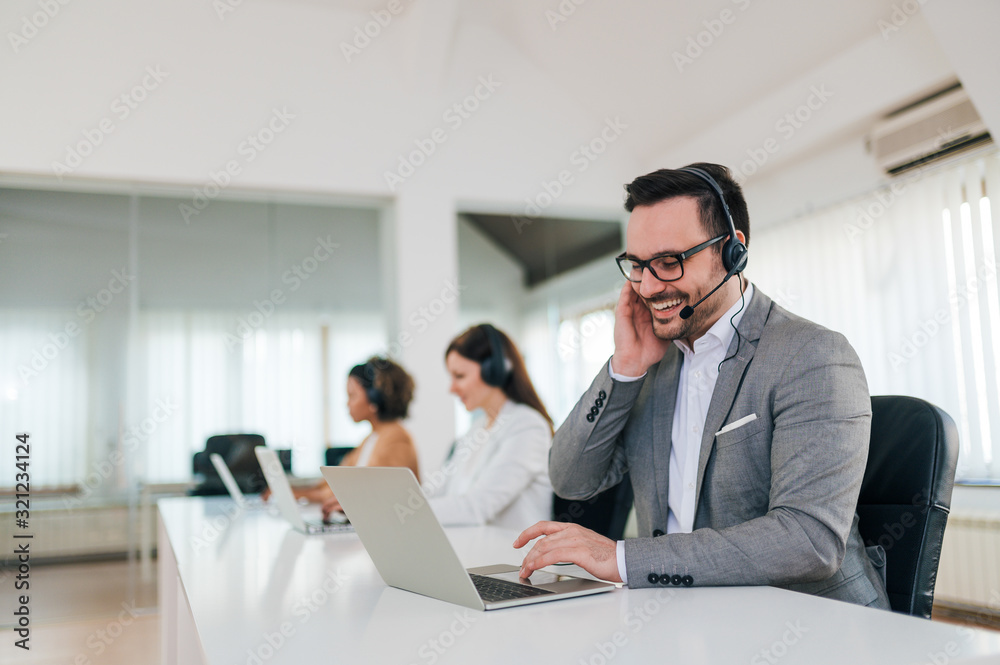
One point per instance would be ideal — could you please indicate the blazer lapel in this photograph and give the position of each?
(664, 399)
(730, 378)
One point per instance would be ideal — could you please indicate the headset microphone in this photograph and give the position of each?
(689, 310)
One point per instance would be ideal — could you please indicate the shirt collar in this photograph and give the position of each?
(721, 330)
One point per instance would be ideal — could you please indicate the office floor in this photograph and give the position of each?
(85, 614)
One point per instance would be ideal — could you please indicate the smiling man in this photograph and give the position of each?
(744, 428)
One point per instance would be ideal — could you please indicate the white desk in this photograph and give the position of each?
(248, 589)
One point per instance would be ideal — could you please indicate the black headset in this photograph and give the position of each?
(734, 252)
(375, 396)
(495, 369)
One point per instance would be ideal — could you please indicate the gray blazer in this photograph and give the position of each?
(776, 496)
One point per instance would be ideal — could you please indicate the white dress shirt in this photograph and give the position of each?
(699, 372)
(496, 475)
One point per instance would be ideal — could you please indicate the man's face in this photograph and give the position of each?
(671, 227)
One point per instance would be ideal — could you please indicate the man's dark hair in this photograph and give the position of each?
(665, 184)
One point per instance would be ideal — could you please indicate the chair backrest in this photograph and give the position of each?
(237, 451)
(605, 513)
(906, 495)
(335, 454)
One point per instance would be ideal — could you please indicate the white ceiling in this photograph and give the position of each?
(618, 56)
(625, 59)
(563, 78)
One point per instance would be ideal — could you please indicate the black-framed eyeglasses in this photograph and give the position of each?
(665, 267)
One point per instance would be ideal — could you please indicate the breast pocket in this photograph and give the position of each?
(740, 434)
(741, 470)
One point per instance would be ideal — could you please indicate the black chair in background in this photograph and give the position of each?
(906, 495)
(605, 513)
(335, 454)
(237, 451)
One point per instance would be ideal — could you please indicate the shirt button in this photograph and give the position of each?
(690, 486)
(694, 429)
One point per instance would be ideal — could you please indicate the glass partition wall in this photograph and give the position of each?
(132, 330)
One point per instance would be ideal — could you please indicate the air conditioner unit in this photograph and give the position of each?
(936, 127)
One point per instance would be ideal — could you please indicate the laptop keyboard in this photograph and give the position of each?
(493, 590)
(322, 527)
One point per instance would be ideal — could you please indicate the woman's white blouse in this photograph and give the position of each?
(498, 475)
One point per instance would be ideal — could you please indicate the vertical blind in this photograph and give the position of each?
(908, 273)
(269, 383)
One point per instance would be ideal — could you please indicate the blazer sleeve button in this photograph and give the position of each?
(687, 580)
(599, 402)
(602, 395)
(653, 578)
(657, 533)
(590, 417)
(676, 580)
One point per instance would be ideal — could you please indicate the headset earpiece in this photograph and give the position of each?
(734, 252)
(494, 370)
(374, 395)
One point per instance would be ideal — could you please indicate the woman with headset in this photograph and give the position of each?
(497, 472)
(379, 393)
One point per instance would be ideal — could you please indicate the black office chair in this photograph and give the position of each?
(906, 495)
(605, 513)
(335, 454)
(237, 451)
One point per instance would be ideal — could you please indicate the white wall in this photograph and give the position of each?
(271, 66)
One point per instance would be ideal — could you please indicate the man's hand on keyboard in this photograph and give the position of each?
(571, 543)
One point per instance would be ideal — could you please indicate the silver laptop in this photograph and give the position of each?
(231, 485)
(411, 551)
(281, 491)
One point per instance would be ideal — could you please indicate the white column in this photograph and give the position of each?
(420, 258)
